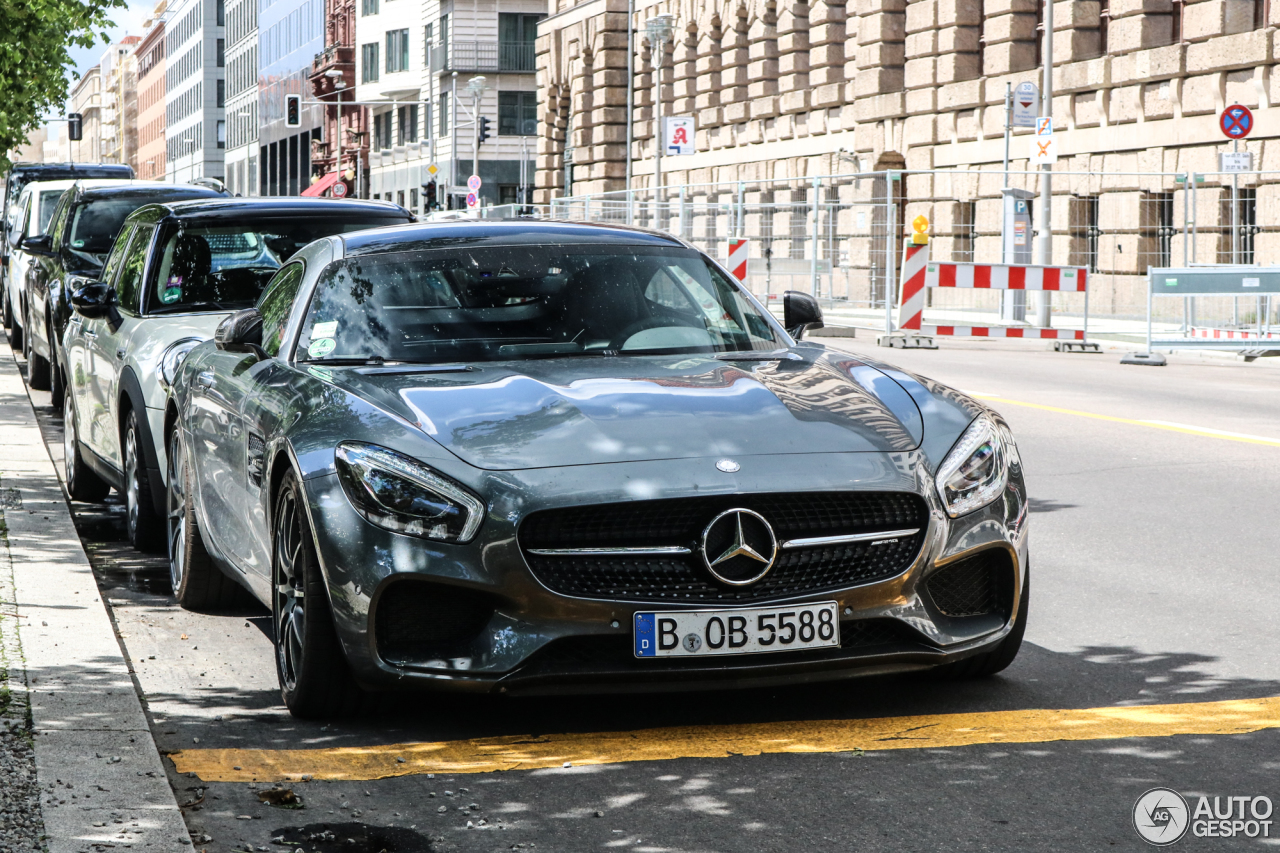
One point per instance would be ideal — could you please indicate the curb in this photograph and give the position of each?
(102, 781)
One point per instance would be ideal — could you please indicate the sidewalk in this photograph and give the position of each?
(101, 782)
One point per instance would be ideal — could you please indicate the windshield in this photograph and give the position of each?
(94, 227)
(226, 267)
(515, 302)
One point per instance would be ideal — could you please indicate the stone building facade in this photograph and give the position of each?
(797, 89)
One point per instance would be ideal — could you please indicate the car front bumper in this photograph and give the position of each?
(535, 640)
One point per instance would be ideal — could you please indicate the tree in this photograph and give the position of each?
(34, 60)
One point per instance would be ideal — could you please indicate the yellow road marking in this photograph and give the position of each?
(1165, 425)
(528, 752)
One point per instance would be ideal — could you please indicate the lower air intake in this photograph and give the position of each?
(418, 621)
(974, 586)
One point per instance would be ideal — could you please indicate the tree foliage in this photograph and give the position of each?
(35, 37)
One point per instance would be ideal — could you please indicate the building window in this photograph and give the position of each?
(369, 7)
(413, 200)
(222, 93)
(1039, 33)
(1165, 230)
(964, 237)
(407, 117)
(517, 113)
(222, 53)
(426, 121)
(369, 63)
(1247, 204)
(397, 51)
(444, 113)
(400, 198)
(220, 13)
(426, 46)
(507, 194)
(222, 134)
(516, 36)
(1176, 21)
(1092, 232)
(1104, 23)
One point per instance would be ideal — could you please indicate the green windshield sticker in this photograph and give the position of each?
(324, 330)
(320, 348)
(171, 295)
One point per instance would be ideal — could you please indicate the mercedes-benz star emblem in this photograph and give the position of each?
(738, 547)
(728, 466)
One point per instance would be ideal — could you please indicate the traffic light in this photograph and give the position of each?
(293, 110)
(75, 127)
(429, 195)
(484, 128)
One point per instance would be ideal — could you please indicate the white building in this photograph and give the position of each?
(195, 93)
(418, 59)
(242, 97)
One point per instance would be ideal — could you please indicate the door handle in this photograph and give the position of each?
(120, 353)
(204, 379)
(90, 335)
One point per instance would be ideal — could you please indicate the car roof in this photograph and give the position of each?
(160, 190)
(63, 168)
(88, 183)
(221, 207)
(512, 232)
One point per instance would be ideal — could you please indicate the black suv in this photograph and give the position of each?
(71, 254)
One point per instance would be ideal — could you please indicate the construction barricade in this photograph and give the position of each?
(919, 273)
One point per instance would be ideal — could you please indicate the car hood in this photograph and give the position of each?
(581, 411)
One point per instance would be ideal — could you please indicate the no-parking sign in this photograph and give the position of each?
(1236, 122)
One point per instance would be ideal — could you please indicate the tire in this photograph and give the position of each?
(996, 660)
(37, 366)
(315, 679)
(8, 310)
(15, 332)
(141, 522)
(198, 584)
(82, 484)
(57, 387)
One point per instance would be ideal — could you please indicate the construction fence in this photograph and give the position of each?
(840, 236)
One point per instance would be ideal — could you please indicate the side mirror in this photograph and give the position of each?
(41, 245)
(93, 300)
(800, 311)
(241, 332)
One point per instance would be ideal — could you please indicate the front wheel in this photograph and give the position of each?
(315, 680)
(141, 522)
(82, 484)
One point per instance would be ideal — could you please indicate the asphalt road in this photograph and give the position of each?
(1154, 554)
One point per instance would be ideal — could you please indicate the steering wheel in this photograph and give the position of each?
(618, 340)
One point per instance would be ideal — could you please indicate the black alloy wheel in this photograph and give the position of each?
(37, 365)
(82, 483)
(141, 522)
(15, 330)
(57, 385)
(315, 680)
(198, 584)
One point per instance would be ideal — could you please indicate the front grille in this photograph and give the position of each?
(418, 621)
(681, 521)
(618, 653)
(974, 586)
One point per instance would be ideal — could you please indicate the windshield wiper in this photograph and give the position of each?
(756, 355)
(346, 362)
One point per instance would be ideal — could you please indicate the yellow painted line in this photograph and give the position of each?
(529, 752)
(1165, 425)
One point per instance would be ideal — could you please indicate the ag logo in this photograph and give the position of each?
(1161, 816)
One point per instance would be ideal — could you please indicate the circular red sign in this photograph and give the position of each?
(1236, 122)
(339, 190)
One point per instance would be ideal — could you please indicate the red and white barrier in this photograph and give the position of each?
(738, 250)
(1231, 334)
(919, 273)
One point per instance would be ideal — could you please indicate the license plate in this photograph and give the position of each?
(703, 633)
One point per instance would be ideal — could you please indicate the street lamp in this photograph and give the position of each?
(659, 29)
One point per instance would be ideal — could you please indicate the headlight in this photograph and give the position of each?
(403, 495)
(172, 360)
(976, 470)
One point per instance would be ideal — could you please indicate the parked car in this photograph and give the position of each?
(506, 456)
(176, 270)
(32, 217)
(21, 174)
(70, 255)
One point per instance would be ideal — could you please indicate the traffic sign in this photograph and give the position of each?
(1026, 104)
(1044, 150)
(473, 183)
(1238, 161)
(339, 190)
(679, 133)
(1044, 126)
(433, 169)
(473, 200)
(738, 253)
(1236, 122)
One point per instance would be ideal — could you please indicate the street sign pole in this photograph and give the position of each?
(1235, 209)
(1008, 110)
(1236, 122)
(1044, 243)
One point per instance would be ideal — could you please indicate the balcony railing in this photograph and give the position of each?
(482, 56)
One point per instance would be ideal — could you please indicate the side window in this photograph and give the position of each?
(59, 226)
(275, 305)
(16, 218)
(129, 287)
(112, 265)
